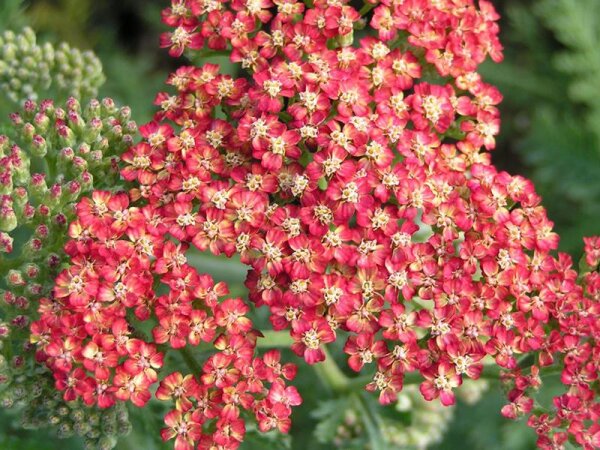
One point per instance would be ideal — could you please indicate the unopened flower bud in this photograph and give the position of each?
(124, 428)
(20, 164)
(103, 145)
(92, 130)
(84, 149)
(28, 132)
(4, 145)
(115, 132)
(79, 164)
(106, 443)
(54, 420)
(9, 51)
(6, 243)
(28, 213)
(73, 105)
(43, 211)
(77, 415)
(34, 289)
(6, 399)
(60, 219)
(14, 278)
(124, 114)
(4, 331)
(108, 107)
(53, 260)
(76, 122)
(41, 231)
(93, 108)
(18, 362)
(73, 189)
(60, 114)
(66, 154)
(47, 107)
(131, 128)
(20, 197)
(66, 137)
(31, 270)
(41, 121)
(7, 297)
(94, 433)
(95, 157)
(38, 186)
(20, 321)
(16, 119)
(6, 185)
(21, 302)
(32, 247)
(55, 194)
(8, 218)
(39, 146)
(36, 390)
(86, 180)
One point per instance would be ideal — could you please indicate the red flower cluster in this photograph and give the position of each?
(575, 339)
(353, 181)
(88, 336)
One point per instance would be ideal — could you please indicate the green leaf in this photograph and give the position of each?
(372, 421)
(330, 414)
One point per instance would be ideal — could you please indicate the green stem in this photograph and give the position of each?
(525, 360)
(490, 372)
(198, 57)
(272, 339)
(366, 8)
(372, 423)
(327, 370)
(330, 372)
(211, 53)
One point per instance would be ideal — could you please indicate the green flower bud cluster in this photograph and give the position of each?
(416, 424)
(428, 420)
(99, 429)
(427, 425)
(471, 391)
(49, 158)
(349, 430)
(349, 423)
(28, 69)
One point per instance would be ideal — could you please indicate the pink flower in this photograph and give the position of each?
(440, 381)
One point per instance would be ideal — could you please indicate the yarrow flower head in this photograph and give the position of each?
(352, 177)
(111, 293)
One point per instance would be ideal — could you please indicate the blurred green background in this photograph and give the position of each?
(550, 134)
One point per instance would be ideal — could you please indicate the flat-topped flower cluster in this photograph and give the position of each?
(351, 176)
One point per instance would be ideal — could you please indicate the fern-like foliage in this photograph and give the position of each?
(552, 107)
(576, 25)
